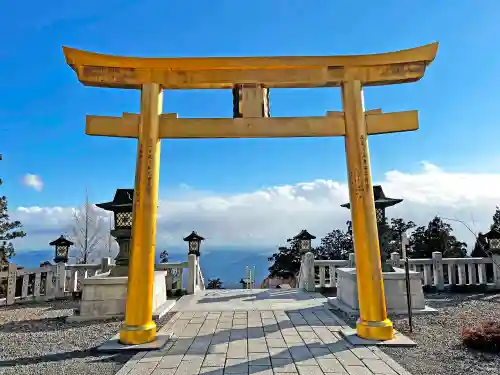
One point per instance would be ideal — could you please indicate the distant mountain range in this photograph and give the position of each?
(227, 264)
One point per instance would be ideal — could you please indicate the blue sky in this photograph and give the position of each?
(43, 106)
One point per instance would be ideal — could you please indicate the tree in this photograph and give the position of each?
(480, 247)
(336, 245)
(9, 230)
(496, 219)
(164, 256)
(437, 236)
(286, 261)
(87, 233)
(214, 284)
(398, 227)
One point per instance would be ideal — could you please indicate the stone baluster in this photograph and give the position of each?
(322, 276)
(471, 270)
(427, 275)
(461, 274)
(351, 263)
(481, 270)
(24, 290)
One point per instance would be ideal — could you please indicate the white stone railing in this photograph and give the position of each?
(442, 272)
(325, 273)
(33, 284)
(76, 272)
(62, 280)
(437, 271)
(175, 274)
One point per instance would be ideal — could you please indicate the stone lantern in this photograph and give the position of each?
(194, 241)
(121, 206)
(61, 249)
(304, 238)
(381, 203)
(493, 237)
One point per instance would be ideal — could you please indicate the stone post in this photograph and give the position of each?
(192, 274)
(60, 279)
(395, 259)
(437, 270)
(309, 272)
(11, 284)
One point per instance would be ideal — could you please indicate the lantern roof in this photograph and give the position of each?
(493, 234)
(304, 235)
(381, 201)
(122, 202)
(61, 241)
(193, 237)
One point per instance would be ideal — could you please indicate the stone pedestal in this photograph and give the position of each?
(122, 236)
(104, 297)
(395, 292)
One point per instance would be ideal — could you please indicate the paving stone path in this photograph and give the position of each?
(300, 340)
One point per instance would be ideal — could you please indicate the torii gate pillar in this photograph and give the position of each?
(373, 322)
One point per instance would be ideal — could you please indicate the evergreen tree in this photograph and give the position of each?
(164, 256)
(9, 230)
(437, 236)
(480, 247)
(214, 284)
(398, 227)
(286, 261)
(336, 245)
(496, 219)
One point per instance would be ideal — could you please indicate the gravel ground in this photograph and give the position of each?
(35, 339)
(439, 349)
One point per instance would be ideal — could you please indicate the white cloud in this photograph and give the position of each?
(33, 181)
(265, 218)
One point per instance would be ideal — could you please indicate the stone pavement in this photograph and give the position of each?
(261, 332)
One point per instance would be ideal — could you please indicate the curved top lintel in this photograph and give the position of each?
(75, 57)
(94, 69)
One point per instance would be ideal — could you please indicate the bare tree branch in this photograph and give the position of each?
(87, 233)
(465, 224)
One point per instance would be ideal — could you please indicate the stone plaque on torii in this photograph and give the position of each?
(250, 78)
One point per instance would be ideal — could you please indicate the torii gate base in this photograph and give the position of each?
(250, 78)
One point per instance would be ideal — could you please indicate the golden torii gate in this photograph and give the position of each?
(250, 78)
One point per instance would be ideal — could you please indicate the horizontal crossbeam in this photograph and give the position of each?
(172, 127)
(101, 70)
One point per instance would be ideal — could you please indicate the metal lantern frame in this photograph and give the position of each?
(194, 243)
(493, 237)
(61, 250)
(304, 238)
(122, 207)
